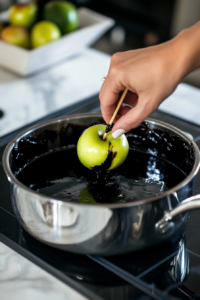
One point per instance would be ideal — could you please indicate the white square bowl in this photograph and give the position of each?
(25, 62)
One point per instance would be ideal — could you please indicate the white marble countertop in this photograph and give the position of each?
(25, 100)
(20, 279)
(184, 103)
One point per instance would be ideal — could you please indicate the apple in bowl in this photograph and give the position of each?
(23, 14)
(98, 154)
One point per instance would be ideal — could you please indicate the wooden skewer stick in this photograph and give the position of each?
(116, 111)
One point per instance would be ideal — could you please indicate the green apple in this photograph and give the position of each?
(44, 32)
(93, 151)
(15, 35)
(63, 13)
(23, 14)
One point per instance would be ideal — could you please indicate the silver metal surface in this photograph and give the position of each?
(100, 229)
(186, 205)
(179, 269)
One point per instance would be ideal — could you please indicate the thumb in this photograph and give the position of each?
(133, 118)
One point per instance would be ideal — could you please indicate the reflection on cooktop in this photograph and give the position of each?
(169, 267)
(171, 257)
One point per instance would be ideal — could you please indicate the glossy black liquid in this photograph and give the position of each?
(60, 174)
(101, 169)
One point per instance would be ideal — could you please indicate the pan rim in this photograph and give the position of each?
(39, 196)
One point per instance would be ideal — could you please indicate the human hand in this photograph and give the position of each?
(150, 74)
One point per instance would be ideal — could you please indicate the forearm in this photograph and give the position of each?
(187, 45)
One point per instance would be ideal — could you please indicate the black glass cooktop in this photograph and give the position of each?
(168, 271)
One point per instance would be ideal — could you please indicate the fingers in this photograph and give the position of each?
(111, 88)
(149, 76)
(133, 117)
(115, 83)
(108, 109)
(108, 98)
(131, 98)
(123, 110)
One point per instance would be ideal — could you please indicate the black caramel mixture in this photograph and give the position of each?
(47, 162)
(60, 174)
(100, 170)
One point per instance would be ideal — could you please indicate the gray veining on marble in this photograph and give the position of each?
(25, 100)
(20, 279)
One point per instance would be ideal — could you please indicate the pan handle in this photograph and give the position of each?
(186, 205)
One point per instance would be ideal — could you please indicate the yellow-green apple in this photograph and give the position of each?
(44, 32)
(23, 14)
(15, 35)
(94, 152)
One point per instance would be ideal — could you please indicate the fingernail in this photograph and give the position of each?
(117, 133)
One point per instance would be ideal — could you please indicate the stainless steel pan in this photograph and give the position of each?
(109, 228)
